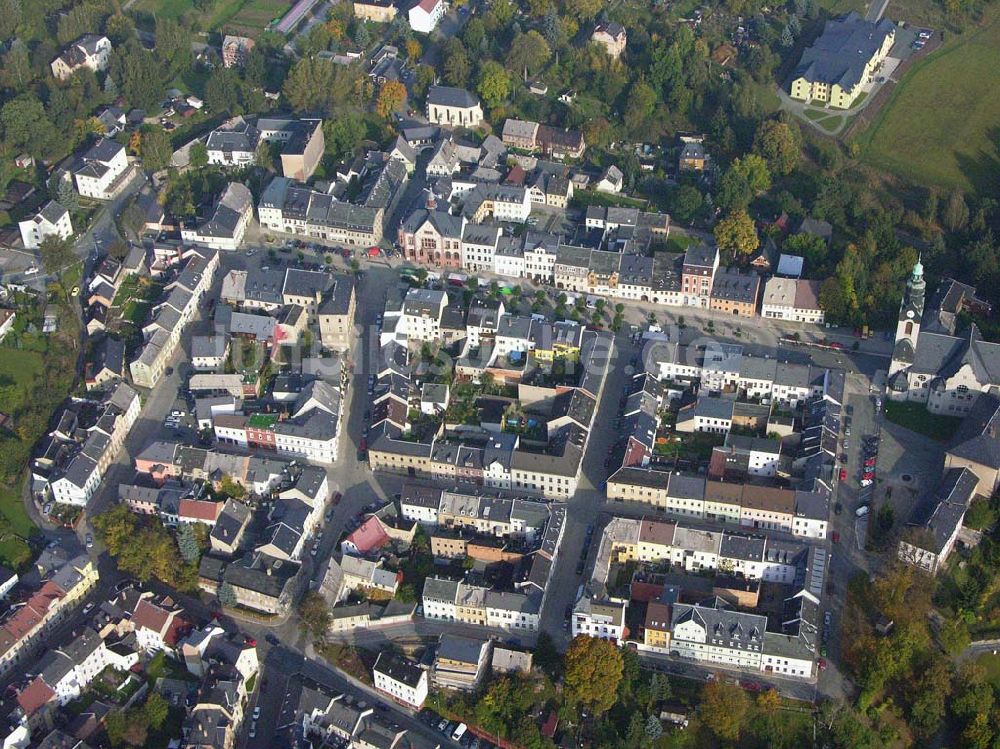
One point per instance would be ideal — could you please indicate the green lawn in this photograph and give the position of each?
(16, 526)
(939, 125)
(838, 7)
(680, 242)
(991, 663)
(916, 417)
(168, 9)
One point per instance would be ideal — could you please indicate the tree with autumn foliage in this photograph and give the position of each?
(737, 234)
(723, 709)
(593, 670)
(391, 98)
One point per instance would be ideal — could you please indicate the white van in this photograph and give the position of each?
(459, 732)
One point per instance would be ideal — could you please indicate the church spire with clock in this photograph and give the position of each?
(910, 313)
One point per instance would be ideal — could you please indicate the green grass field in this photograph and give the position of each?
(249, 16)
(18, 369)
(940, 125)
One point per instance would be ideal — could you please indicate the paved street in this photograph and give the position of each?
(282, 664)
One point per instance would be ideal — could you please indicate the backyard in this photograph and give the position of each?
(938, 127)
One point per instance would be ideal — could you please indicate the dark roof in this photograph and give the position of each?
(448, 96)
(842, 51)
(976, 439)
(398, 669)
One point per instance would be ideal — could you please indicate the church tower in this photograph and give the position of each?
(908, 326)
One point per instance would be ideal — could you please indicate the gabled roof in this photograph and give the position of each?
(448, 96)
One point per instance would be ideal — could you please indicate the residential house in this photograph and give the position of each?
(611, 36)
(224, 229)
(794, 300)
(236, 50)
(91, 51)
(424, 16)
(53, 220)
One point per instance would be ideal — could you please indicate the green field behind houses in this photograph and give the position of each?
(248, 17)
(939, 127)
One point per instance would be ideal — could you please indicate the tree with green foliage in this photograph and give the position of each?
(493, 83)
(307, 84)
(528, 53)
(314, 614)
(754, 170)
(343, 133)
(173, 46)
(457, 67)
(66, 194)
(593, 670)
(156, 710)
(654, 728)
(222, 91)
(230, 487)
(780, 144)
(56, 254)
(199, 155)
(227, 595)
(686, 203)
(155, 148)
(187, 543)
(737, 234)
(138, 74)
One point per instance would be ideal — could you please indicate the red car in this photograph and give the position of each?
(836, 537)
(822, 664)
(750, 686)
(336, 498)
(867, 475)
(250, 642)
(363, 445)
(836, 345)
(870, 463)
(843, 474)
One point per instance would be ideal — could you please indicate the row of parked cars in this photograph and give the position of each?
(455, 731)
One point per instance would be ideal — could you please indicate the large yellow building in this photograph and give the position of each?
(842, 60)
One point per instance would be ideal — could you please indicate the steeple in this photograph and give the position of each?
(911, 310)
(912, 307)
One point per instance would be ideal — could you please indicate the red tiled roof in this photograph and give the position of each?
(150, 616)
(199, 509)
(176, 631)
(428, 5)
(550, 725)
(645, 592)
(370, 535)
(34, 696)
(26, 618)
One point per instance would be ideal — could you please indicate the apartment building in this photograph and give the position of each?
(171, 316)
(103, 171)
(401, 679)
(292, 208)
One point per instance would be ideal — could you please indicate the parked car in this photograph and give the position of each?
(836, 537)
(90, 541)
(337, 497)
(862, 511)
(843, 474)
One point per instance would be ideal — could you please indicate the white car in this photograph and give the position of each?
(256, 712)
(31, 271)
(862, 511)
(253, 730)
